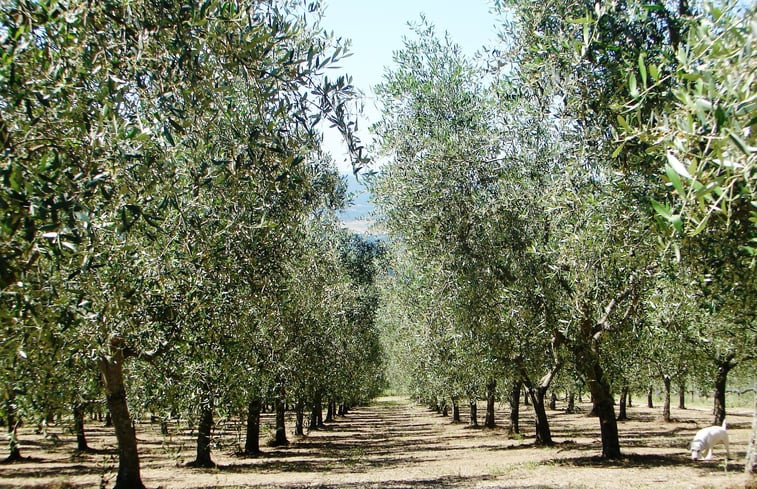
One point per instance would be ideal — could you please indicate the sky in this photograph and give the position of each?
(376, 29)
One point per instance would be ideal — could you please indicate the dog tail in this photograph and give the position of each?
(724, 425)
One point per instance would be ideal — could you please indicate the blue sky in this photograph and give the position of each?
(376, 29)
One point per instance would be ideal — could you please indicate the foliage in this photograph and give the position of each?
(693, 110)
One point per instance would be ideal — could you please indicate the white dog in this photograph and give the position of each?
(706, 438)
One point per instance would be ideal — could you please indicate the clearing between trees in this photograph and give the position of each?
(396, 443)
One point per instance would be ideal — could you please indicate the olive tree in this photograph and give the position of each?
(114, 117)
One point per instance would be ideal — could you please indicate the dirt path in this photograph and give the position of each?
(394, 443)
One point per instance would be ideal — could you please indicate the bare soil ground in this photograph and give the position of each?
(395, 443)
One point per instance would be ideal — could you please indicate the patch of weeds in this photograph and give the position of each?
(354, 456)
(501, 470)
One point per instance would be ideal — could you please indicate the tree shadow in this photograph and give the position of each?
(647, 461)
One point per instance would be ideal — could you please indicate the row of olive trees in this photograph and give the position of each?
(535, 245)
(164, 203)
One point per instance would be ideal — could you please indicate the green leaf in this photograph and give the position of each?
(642, 70)
(700, 227)
(632, 89)
(654, 72)
(618, 150)
(676, 164)
(661, 209)
(740, 143)
(677, 222)
(675, 180)
(623, 123)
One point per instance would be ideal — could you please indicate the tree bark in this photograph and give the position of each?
(515, 407)
(682, 394)
(331, 407)
(553, 401)
(280, 438)
(473, 414)
(666, 381)
(603, 406)
(204, 432)
(491, 391)
(252, 442)
(587, 361)
(81, 438)
(14, 451)
(299, 419)
(750, 467)
(725, 365)
(543, 433)
(455, 411)
(650, 391)
(316, 415)
(623, 411)
(571, 403)
(111, 369)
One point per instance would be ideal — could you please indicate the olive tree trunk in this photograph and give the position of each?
(252, 440)
(623, 406)
(666, 382)
(14, 451)
(725, 365)
(751, 452)
(682, 394)
(280, 438)
(515, 407)
(204, 440)
(473, 414)
(111, 368)
(81, 438)
(491, 390)
(455, 411)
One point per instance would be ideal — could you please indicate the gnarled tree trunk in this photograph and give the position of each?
(751, 452)
(455, 411)
(666, 381)
(682, 394)
(515, 407)
(588, 364)
(299, 418)
(81, 438)
(204, 432)
(623, 411)
(331, 408)
(14, 451)
(473, 414)
(491, 392)
(725, 365)
(571, 408)
(111, 368)
(543, 433)
(252, 440)
(280, 438)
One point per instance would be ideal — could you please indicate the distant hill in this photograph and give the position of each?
(358, 216)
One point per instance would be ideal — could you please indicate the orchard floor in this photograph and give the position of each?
(394, 443)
